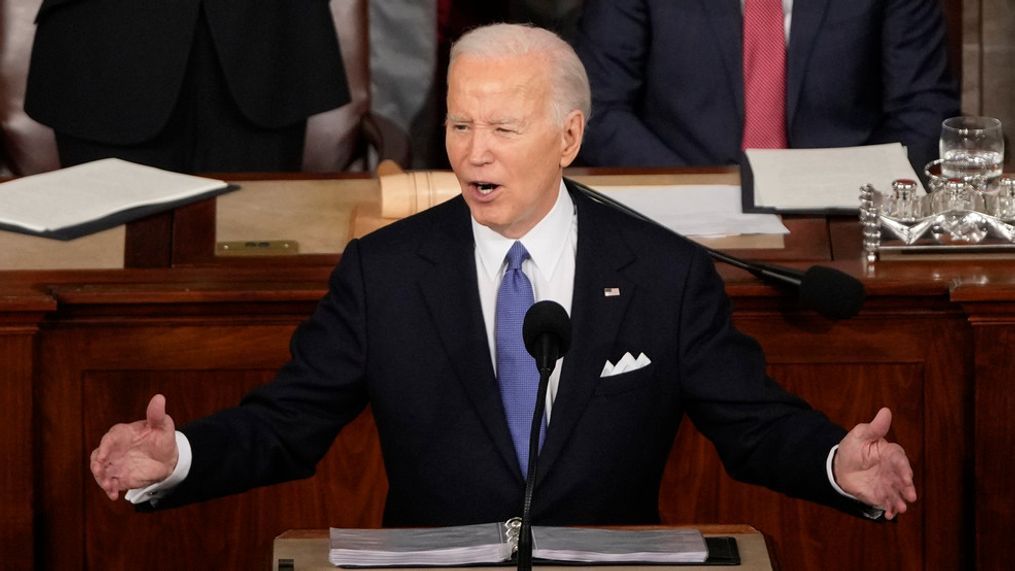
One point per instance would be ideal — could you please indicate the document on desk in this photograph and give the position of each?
(455, 545)
(496, 543)
(90, 197)
(696, 210)
(819, 181)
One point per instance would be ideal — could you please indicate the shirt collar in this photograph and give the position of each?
(545, 241)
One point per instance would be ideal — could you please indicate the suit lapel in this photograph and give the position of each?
(451, 294)
(806, 22)
(595, 320)
(726, 20)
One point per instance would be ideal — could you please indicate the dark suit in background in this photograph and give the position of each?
(667, 80)
(401, 329)
(189, 85)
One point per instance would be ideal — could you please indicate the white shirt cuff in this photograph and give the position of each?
(870, 511)
(155, 491)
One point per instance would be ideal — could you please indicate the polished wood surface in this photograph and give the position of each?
(21, 310)
(83, 349)
(307, 550)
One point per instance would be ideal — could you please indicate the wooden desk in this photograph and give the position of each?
(309, 551)
(82, 350)
(318, 216)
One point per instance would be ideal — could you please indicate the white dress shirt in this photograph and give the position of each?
(552, 244)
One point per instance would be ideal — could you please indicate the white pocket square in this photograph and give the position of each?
(626, 364)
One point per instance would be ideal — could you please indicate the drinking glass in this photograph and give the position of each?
(972, 149)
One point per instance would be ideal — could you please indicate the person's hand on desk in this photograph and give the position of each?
(873, 470)
(137, 454)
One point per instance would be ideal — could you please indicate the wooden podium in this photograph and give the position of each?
(307, 550)
(85, 346)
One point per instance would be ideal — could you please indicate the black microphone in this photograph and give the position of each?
(830, 292)
(546, 332)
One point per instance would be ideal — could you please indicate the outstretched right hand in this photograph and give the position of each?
(138, 454)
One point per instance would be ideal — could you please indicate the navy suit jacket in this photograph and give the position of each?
(667, 79)
(111, 70)
(402, 329)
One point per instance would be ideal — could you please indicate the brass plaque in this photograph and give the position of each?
(257, 248)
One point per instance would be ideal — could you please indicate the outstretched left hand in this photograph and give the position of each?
(874, 470)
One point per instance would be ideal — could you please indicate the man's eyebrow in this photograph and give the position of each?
(496, 122)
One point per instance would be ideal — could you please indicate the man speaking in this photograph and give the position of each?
(419, 323)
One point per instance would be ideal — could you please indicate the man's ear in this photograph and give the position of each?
(571, 137)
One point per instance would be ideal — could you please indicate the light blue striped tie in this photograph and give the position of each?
(516, 369)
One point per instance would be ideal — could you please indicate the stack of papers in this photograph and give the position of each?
(491, 543)
(820, 180)
(696, 210)
(94, 196)
(458, 545)
(605, 546)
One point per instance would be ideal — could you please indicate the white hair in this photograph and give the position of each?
(569, 84)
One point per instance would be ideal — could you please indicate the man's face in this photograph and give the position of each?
(504, 146)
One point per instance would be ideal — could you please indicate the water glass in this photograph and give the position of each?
(972, 149)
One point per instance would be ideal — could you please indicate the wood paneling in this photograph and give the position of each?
(993, 322)
(16, 472)
(106, 375)
(995, 472)
(849, 370)
(204, 345)
(234, 532)
(21, 309)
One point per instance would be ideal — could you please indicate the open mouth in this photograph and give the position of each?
(485, 187)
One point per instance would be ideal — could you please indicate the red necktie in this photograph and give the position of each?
(764, 75)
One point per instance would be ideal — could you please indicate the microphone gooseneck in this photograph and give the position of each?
(546, 332)
(830, 292)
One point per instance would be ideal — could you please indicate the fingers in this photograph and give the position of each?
(897, 489)
(895, 507)
(99, 466)
(881, 424)
(155, 415)
(95, 465)
(874, 470)
(106, 460)
(876, 429)
(906, 490)
(900, 502)
(133, 454)
(905, 472)
(156, 412)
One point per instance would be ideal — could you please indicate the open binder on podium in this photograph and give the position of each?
(87, 198)
(496, 543)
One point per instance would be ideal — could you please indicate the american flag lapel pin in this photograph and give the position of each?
(611, 291)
